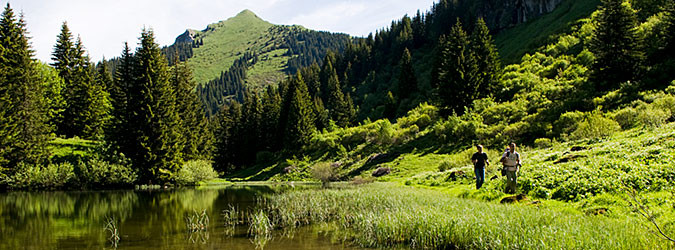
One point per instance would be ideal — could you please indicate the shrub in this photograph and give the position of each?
(626, 117)
(52, 176)
(666, 103)
(193, 172)
(444, 165)
(595, 126)
(543, 143)
(359, 180)
(324, 172)
(651, 116)
(97, 173)
(567, 122)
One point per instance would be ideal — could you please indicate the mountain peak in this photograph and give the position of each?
(247, 13)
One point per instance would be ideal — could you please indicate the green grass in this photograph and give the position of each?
(226, 41)
(513, 43)
(72, 147)
(388, 215)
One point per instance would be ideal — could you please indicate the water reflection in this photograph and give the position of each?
(140, 219)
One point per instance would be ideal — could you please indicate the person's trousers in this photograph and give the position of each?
(511, 182)
(480, 176)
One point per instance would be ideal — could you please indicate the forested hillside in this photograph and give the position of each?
(246, 52)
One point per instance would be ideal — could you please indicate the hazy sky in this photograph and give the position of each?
(104, 25)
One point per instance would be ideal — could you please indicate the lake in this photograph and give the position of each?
(143, 219)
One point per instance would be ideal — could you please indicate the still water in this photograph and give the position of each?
(155, 219)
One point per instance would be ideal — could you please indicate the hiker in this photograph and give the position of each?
(480, 161)
(511, 161)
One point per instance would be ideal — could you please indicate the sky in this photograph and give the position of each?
(104, 25)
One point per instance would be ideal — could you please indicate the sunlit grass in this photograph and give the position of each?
(387, 215)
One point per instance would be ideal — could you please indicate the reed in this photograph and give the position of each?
(197, 222)
(388, 215)
(111, 227)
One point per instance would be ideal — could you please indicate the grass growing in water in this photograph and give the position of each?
(111, 227)
(385, 215)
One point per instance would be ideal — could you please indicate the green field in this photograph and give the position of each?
(388, 215)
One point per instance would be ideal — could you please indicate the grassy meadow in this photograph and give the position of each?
(391, 215)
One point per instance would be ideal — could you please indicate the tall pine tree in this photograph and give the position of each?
(407, 82)
(119, 131)
(23, 115)
(86, 102)
(299, 121)
(158, 155)
(487, 59)
(456, 83)
(616, 45)
(194, 125)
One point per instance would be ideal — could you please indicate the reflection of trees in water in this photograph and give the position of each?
(151, 218)
(59, 218)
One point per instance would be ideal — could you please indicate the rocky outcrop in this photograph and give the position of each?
(187, 37)
(508, 13)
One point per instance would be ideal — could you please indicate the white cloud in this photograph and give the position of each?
(105, 25)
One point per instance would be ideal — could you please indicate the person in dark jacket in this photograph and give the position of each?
(480, 161)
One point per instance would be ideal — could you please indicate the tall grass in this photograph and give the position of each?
(386, 215)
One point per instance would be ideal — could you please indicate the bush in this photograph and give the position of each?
(444, 165)
(193, 172)
(543, 143)
(595, 126)
(567, 122)
(324, 172)
(626, 117)
(359, 180)
(52, 176)
(651, 116)
(97, 173)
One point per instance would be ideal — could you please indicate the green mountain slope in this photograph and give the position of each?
(226, 41)
(247, 52)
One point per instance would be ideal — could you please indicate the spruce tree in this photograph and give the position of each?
(300, 123)
(63, 62)
(194, 128)
(252, 127)
(270, 119)
(227, 138)
(119, 131)
(90, 104)
(616, 45)
(487, 59)
(23, 129)
(457, 69)
(159, 154)
(86, 102)
(407, 82)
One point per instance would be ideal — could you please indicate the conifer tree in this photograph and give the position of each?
(103, 75)
(616, 45)
(270, 119)
(194, 127)
(407, 82)
(487, 59)
(63, 62)
(86, 102)
(251, 127)
(120, 131)
(227, 138)
(23, 115)
(300, 123)
(90, 106)
(456, 73)
(159, 155)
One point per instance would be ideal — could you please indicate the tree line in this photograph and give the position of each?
(147, 110)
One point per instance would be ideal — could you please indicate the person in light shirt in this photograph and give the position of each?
(511, 161)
